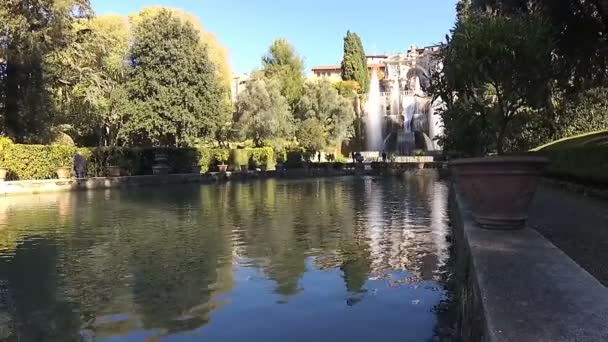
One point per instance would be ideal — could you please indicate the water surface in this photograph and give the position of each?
(336, 259)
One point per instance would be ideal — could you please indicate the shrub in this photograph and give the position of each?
(41, 161)
(582, 164)
(259, 157)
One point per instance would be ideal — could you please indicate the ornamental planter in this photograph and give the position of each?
(244, 168)
(499, 189)
(3, 172)
(63, 172)
(222, 168)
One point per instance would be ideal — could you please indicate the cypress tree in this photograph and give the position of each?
(354, 62)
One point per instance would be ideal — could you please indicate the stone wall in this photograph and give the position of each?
(517, 286)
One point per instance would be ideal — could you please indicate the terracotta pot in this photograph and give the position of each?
(3, 172)
(113, 171)
(420, 166)
(222, 168)
(63, 172)
(499, 189)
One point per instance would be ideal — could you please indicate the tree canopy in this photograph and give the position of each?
(263, 112)
(173, 85)
(326, 117)
(31, 32)
(499, 68)
(283, 63)
(354, 62)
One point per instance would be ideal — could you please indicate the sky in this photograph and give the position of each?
(315, 28)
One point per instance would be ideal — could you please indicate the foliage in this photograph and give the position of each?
(262, 113)
(354, 62)
(41, 161)
(583, 164)
(326, 117)
(495, 69)
(348, 88)
(283, 63)
(579, 30)
(311, 135)
(218, 54)
(91, 96)
(587, 113)
(31, 33)
(176, 93)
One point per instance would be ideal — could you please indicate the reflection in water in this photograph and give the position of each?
(325, 259)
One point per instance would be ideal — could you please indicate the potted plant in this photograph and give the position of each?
(112, 169)
(241, 160)
(221, 157)
(499, 188)
(63, 172)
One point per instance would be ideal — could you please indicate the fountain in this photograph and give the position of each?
(375, 115)
(413, 121)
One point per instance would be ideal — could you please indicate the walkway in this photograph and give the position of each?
(576, 224)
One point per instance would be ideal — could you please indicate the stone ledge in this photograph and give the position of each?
(55, 185)
(517, 286)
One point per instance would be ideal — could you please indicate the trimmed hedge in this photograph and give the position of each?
(581, 164)
(41, 161)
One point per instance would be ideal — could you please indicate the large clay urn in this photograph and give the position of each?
(499, 189)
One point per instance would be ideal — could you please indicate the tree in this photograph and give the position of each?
(326, 117)
(588, 113)
(354, 62)
(92, 72)
(263, 112)
(217, 53)
(579, 30)
(31, 31)
(283, 63)
(496, 69)
(176, 94)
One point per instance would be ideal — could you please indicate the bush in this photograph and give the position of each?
(41, 161)
(581, 164)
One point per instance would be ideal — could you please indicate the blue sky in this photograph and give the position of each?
(315, 27)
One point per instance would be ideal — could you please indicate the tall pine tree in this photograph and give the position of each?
(354, 63)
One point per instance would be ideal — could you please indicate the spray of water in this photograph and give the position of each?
(375, 114)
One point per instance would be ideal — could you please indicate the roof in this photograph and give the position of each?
(376, 56)
(327, 67)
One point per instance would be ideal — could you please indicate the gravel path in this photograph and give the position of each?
(576, 224)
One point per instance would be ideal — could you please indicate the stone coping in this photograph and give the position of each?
(95, 183)
(526, 288)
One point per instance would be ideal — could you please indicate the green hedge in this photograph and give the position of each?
(41, 161)
(582, 164)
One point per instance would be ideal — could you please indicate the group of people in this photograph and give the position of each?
(358, 157)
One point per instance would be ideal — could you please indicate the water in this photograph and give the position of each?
(375, 115)
(341, 259)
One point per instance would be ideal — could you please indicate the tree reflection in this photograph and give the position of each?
(159, 260)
